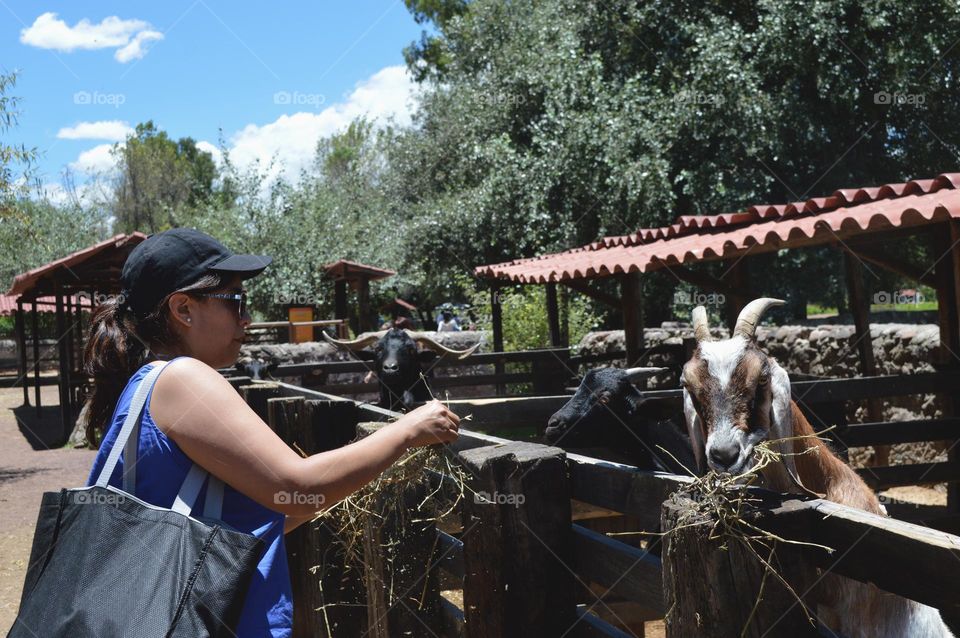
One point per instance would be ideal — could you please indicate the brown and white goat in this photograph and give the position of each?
(734, 397)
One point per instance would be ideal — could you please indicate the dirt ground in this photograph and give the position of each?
(28, 468)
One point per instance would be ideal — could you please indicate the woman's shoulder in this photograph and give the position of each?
(187, 384)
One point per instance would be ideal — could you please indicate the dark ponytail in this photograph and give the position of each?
(118, 345)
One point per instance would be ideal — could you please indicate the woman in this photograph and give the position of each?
(183, 302)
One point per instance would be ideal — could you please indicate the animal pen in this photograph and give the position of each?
(563, 544)
(582, 546)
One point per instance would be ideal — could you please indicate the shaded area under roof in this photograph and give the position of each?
(763, 228)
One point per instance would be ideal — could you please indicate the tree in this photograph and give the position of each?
(158, 178)
(558, 121)
(12, 185)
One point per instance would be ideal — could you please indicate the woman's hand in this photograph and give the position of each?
(431, 423)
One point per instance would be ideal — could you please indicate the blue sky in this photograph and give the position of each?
(273, 76)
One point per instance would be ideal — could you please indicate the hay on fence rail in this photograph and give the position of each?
(725, 503)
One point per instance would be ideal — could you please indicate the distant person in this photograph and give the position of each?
(447, 322)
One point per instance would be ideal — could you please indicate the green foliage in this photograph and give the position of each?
(159, 178)
(12, 184)
(524, 311)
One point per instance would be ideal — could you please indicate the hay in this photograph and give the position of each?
(416, 492)
(724, 502)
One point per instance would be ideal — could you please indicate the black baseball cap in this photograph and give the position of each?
(166, 262)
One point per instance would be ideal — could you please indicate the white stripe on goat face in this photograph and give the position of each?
(722, 359)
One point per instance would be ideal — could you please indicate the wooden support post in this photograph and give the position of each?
(631, 295)
(738, 280)
(517, 542)
(256, 396)
(340, 303)
(22, 352)
(400, 556)
(63, 367)
(951, 406)
(363, 305)
(496, 317)
(35, 329)
(711, 591)
(553, 315)
(564, 317)
(860, 309)
(328, 600)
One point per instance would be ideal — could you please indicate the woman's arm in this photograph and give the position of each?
(196, 407)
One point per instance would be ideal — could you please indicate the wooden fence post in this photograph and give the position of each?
(712, 591)
(256, 396)
(328, 600)
(518, 544)
(238, 382)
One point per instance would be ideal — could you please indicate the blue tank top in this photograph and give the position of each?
(162, 466)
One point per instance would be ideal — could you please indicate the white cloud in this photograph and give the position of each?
(137, 49)
(95, 161)
(127, 36)
(387, 95)
(207, 147)
(112, 130)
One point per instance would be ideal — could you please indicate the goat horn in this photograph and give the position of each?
(439, 348)
(356, 344)
(639, 373)
(701, 326)
(751, 314)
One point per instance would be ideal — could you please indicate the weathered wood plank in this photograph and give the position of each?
(881, 478)
(591, 626)
(860, 434)
(624, 570)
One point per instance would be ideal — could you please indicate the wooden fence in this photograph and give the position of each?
(538, 560)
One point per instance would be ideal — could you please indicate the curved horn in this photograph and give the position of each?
(356, 344)
(439, 348)
(701, 327)
(751, 314)
(639, 373)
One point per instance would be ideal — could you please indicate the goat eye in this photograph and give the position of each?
(603, 399)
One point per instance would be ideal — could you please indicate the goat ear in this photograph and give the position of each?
(694, 431)
(634, 400)
(781, 426)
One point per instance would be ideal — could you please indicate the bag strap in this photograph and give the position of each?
(128, 441)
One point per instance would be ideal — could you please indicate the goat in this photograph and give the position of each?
(734, 397)
(609, 412)
(398, 364)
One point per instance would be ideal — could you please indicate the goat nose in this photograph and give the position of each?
(724, 456)
(390, 366)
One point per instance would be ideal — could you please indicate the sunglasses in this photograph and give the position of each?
(240, 297)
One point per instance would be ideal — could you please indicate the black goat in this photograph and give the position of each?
(398, 364)
(608, 411)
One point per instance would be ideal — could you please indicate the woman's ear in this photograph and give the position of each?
(180, 307)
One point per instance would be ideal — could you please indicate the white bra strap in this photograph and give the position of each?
(132, 420)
